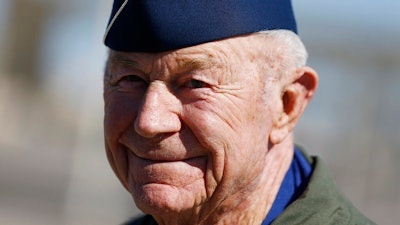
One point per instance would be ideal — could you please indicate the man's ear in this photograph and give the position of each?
(294, 99)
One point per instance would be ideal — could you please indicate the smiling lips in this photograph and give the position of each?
(172, 172)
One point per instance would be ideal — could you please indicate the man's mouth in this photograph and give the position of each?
(162, 156)
(161, 170)
(162, 159)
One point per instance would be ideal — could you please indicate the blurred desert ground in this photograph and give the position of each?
(53, 169)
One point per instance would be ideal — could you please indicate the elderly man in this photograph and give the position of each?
(201, 98)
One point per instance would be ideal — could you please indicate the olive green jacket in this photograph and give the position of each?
(320, 204)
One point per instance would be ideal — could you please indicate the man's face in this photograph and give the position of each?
(187, 128)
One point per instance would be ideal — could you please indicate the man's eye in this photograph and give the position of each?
(196, 84)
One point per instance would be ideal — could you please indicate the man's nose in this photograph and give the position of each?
(159, 112)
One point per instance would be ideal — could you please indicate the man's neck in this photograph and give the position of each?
(251, 206)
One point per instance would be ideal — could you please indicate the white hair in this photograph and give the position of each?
(284, 52)
(288, 45)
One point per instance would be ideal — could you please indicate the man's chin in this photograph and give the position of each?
(166, 186)
(157, 199)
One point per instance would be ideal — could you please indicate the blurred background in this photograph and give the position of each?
(53, 169)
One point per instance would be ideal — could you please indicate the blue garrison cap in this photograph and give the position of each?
(162, 25)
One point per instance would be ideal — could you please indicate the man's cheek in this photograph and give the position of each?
(118, 115)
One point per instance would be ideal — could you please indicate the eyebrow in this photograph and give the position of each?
(115, 58)
(193, 64)
(197, 63)
(120, 58)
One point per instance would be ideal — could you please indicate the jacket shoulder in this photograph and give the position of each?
(321, 203)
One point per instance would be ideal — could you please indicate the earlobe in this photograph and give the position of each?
(279, 130)
(294, 99)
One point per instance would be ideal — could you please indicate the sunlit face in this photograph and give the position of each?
(185, 129)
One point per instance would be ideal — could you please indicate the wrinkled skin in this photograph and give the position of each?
(196, 134)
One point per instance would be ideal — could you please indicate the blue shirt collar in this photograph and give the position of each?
(293, 185)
